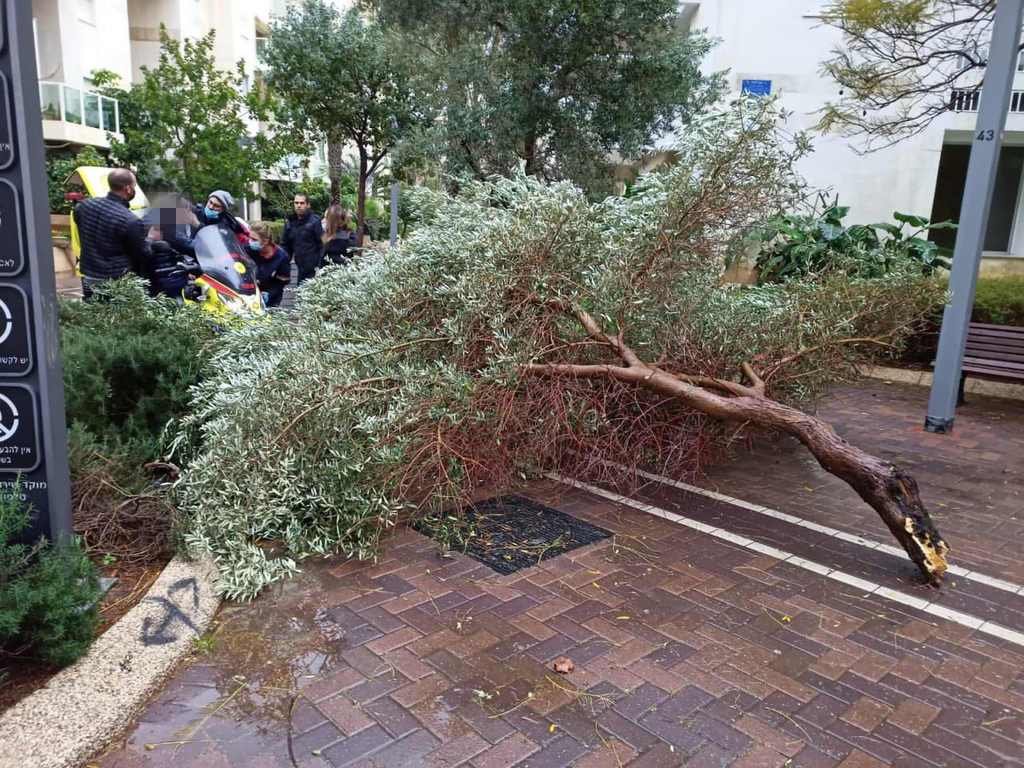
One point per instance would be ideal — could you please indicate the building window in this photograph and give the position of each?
(949, 193)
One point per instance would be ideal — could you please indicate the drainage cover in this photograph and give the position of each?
(509, 533)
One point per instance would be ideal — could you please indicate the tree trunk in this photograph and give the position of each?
(886, 488)
(335, 164)
(361, 197)
(530, 154)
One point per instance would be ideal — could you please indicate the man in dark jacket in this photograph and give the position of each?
(303, 238)
(114, 240)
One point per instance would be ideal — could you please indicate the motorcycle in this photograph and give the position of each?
(225, 278)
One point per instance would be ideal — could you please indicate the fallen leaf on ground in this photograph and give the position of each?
(563, 665)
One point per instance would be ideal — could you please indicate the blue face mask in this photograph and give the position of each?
(254, 246)
(211, 214)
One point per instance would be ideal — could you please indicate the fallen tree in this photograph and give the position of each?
(521, 328)
(889, 490)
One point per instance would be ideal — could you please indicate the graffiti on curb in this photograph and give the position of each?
(162, 634)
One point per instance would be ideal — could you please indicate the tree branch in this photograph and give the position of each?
(788, 361)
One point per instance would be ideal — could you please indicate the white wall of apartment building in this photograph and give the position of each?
(784, 42)
(74, 38)
(96, 30)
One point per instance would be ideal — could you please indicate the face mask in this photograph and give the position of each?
(254, 246)
(211, 214)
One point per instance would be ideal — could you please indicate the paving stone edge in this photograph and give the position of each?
(89, 703)
(974, 386)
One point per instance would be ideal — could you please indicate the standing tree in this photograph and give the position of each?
(522, 328)
(186, 125)
(558, 86)
(900, 61)
(340, 73)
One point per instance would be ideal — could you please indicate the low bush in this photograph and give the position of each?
(999, 301)
(129, 361)
(49, 596)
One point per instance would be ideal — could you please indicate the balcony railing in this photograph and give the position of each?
(969, 100)
(65, 103)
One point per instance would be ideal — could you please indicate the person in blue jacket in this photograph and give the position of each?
(273, 266)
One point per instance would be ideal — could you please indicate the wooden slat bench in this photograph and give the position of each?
(995, 351)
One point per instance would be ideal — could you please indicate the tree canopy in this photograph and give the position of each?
(522, 327)
(342, 77)
(899, 62)
(185, 125)
(557, 86)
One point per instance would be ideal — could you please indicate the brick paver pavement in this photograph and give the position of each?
(688, 649)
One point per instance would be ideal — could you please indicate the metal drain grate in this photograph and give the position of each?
(511, 533)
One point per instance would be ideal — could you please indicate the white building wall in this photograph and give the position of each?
(76, 37)
(785, 42)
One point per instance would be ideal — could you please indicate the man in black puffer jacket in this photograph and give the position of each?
(114, 240)
(303, 238)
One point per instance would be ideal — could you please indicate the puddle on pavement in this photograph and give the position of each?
(240, 695)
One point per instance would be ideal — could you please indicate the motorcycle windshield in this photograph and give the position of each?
(223, 261)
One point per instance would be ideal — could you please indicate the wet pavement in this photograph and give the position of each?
(688, 649)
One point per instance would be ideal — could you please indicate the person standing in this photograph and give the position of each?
(303, 238)
(273, 267)
(114, 240)
(339, 238)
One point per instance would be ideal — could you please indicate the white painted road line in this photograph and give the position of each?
(867, 587)
(955, 570)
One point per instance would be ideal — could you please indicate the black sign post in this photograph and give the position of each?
(33, 434)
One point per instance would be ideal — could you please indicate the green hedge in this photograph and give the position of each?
(999, 301)
(128, 364)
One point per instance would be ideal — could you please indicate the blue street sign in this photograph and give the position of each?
(756, 88)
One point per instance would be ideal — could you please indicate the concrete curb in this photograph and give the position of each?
(973, 386)
(86, 705)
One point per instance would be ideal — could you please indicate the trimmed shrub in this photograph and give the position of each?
(999, 301)
(128, 364)
(49, 596)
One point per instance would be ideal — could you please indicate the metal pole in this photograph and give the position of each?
(394, 189)
(977, 200)
(34, 434)
(394, 213)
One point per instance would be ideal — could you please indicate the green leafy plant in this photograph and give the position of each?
(185, 125)
(205, 644)
(61, 163)
(123, 388)
(554, 87)
(49, 595)
(794, 246)
(1000, 301)
(278, 196)
(345, 78)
